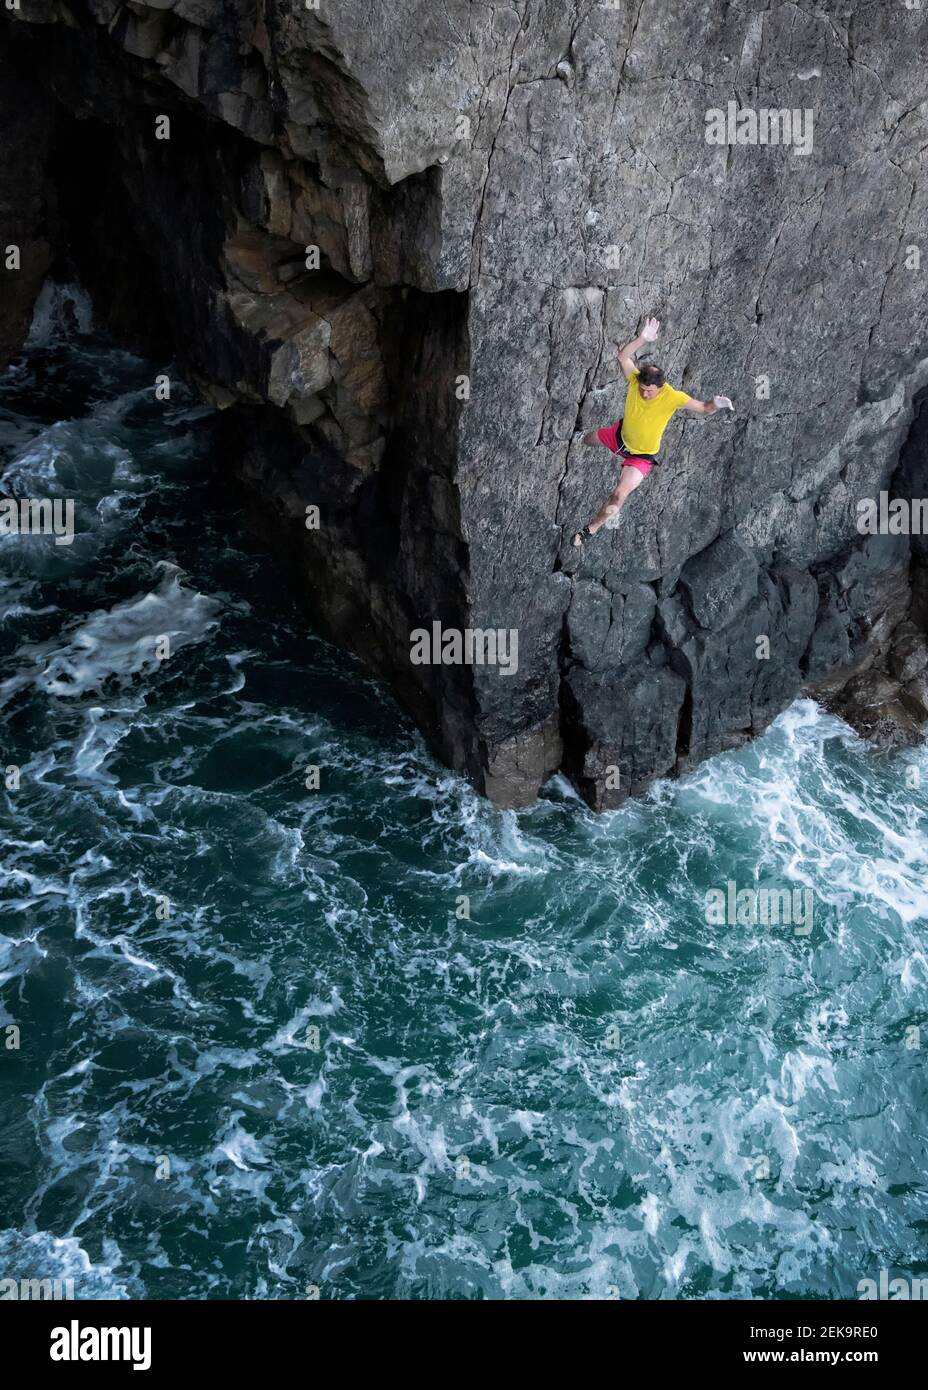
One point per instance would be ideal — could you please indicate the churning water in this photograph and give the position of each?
(312, 1073)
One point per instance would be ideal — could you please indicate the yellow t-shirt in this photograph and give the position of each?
(645, 421)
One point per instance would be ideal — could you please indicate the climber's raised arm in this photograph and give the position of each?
(708, 407)
(627, 353)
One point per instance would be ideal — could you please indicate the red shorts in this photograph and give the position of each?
(612, 438)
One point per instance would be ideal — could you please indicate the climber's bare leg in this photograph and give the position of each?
(616, 500)
(630, 479)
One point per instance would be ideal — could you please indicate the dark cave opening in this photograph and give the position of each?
(98, 243)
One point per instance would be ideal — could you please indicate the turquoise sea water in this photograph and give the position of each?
(311, 1074)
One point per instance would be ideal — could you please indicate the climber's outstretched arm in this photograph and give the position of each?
(709, 407)
(627, 353)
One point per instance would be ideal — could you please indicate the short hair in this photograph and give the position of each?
(650, 375)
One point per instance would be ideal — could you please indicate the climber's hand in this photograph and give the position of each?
(722, 403)
(627, 353)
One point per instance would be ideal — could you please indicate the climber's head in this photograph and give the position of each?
(650, 381)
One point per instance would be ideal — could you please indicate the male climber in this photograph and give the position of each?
(649, 404)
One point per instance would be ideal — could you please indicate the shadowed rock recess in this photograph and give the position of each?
(498, 193)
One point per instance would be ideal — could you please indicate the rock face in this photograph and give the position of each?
(398, 244)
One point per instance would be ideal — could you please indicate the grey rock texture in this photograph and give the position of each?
(498, 194)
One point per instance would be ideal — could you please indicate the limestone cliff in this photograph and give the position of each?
(498, 194)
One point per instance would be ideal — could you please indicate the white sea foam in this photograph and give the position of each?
(119, 642)
(59, 310)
